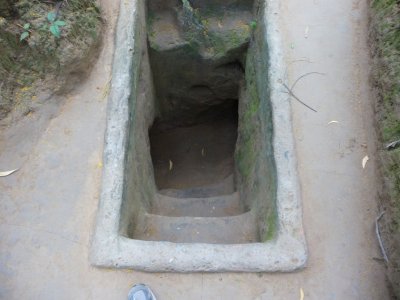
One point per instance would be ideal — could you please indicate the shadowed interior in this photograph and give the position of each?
(200, 163)
(196, 155)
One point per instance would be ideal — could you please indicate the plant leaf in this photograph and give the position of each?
(60, 23)
(51, 16)
(6, 173)
(27, 26)
(306, 32)
(364, 161)
(55, 30)
(24, 35)
(170, 165)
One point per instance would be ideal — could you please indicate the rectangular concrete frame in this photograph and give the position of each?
(287, 252)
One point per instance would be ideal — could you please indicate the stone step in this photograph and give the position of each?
(220, 206)
(239, 229)
(225, 187)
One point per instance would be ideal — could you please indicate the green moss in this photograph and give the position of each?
(391, 128)
(271, 227)
(252, 92)
(222, 43)
(247, 154)
(253, 25)
(385, 37)
(386, 33)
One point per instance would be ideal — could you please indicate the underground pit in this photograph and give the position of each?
(199, 166)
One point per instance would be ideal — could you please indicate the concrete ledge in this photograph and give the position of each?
(286, 253)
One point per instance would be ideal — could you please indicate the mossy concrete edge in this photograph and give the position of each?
(287, 252)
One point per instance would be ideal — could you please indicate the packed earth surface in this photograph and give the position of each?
(49, 205)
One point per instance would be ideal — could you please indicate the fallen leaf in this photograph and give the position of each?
(306, 32)
(6, 173)
(219, 24)
(364, 161)
(99, 164)
(106, 89)
(301, 294)
(170, 165)
(333, 122)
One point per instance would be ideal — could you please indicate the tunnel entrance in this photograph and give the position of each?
(196, 155)
(199, 168)
(196, 102)
(197, 57)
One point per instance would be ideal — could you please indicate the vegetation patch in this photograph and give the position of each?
(385, 40)
(247, 150)
(42, 44)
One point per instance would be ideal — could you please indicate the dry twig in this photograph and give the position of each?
(393, 145)
(305, 75)
(378, 235)
(290, 92)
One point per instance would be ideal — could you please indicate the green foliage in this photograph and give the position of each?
(385, 37)
(51, 16)
(386, 33)
(25, 34)
(55, 24)
(50, 42)
(55, 28)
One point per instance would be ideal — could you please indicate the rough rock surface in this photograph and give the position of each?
(197, 58)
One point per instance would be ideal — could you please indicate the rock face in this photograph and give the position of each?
(197, 55)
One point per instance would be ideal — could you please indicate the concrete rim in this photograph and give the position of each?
(287, 252)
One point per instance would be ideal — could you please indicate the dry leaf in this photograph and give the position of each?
(219, 24)
(6, 173)
(333, 122)
(99, 164)
(301, 294)
(170, 165)
(106, 89)
(364, 161)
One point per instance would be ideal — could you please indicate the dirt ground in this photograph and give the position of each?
(48, 207)
(194, 156)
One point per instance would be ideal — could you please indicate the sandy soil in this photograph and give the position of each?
(47, 208)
